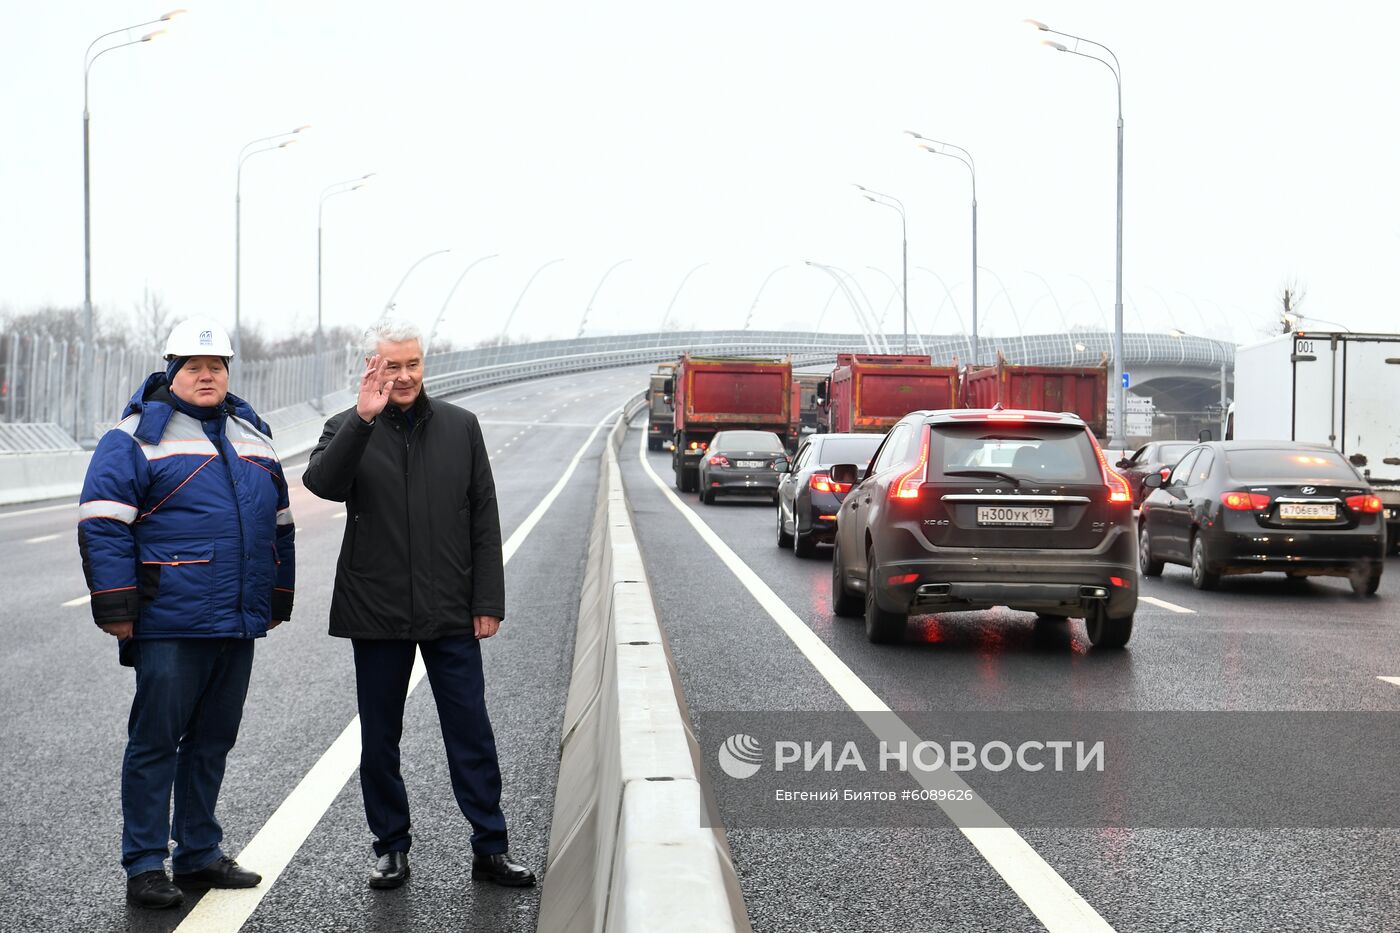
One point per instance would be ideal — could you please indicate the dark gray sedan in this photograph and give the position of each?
(741, 463)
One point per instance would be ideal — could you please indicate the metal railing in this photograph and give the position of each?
(40, 378)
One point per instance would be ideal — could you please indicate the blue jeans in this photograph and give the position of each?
(382, 670)
(184, 719)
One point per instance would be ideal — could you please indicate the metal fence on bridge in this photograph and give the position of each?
(40, 378)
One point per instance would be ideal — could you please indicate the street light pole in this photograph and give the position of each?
(89, 325)
(328, 192)
(667, 316)
(389, 305)
(748, 318)
(1119, 438)
(505, 329)
(583, 322)
(432, 334)
(874, 197)
(965, 157)
(244, 154)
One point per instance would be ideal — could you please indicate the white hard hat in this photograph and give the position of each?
(198, 338)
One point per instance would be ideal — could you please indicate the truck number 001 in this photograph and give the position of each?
(1305, 346)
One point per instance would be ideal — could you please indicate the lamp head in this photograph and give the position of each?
(172, 14)
(1058, 47)
(1036, 24)
(151, 35)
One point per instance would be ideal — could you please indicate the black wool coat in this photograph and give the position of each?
(422, 548)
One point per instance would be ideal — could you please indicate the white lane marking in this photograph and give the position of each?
(272, 848)
(1057, 905)
(42, 538)
(42, 508)
(1165, 605)
(1390, 680)
(80, 601)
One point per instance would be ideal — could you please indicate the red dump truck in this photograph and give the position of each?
(867, 392)
(711, 394)
(1079, 390)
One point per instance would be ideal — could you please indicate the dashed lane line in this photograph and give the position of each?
(80, 601)
(1162, 603)
(272, 848)
(42, 508)
(42, 538)
(1057, 905)
(1390, 680)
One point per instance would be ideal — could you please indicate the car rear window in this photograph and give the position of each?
(857, 450)
(750, 440)
(1039, 453)
(1284, 463)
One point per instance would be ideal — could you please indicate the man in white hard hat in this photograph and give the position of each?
(187, 544)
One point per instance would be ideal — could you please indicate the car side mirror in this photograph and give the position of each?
(782, 466)
(847, 474)
(1152, 481)
(1204, 435)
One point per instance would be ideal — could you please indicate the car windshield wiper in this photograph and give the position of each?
(998, 473)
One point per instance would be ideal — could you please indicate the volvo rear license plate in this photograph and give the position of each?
(1006, 515)
(748, 464)
(1307, 511)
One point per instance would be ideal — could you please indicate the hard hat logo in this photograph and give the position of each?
(206, 338)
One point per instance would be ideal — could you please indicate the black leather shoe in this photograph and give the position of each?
(390, 871)
(152, 889)
(224, 873)
(500, 869)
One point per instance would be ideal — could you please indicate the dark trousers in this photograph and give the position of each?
(184, 719)
(382, 670)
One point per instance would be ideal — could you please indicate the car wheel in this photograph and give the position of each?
(784, 539)
(707, 497)
(1149, 565)
(802, 545)
(881, 627)
(1202, 576)
(843, 601)
(1366, 582)
(653, 443)
(1103, 630)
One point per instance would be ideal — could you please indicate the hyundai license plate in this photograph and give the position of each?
(1014, 515)
(1307, 511)
(748, 464)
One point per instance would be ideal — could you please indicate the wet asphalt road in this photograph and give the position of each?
(1258, 644)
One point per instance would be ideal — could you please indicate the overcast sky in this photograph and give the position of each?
(1261, 146)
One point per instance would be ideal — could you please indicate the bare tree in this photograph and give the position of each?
(1290, 296)
(152, 320)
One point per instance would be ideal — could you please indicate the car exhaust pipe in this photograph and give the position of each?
(1093, 592)
(935, 589)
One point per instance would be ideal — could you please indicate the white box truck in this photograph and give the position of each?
(1340, 389)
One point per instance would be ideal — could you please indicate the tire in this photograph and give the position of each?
(707, 497)
(1105, 631)
(1149, 565)
(881, 627)
(1366, 582)
(843, 601)
(689, 481)
(1202, 576)
(653, 443)
(784, 539)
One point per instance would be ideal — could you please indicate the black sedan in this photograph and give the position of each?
(808, 498)
(741, 463)
(1157, 457)
(1234, 507)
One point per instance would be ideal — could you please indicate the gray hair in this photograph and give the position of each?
(389, 330)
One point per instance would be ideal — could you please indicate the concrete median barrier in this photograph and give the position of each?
(631, 848)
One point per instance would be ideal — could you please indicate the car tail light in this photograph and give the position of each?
(1118, 491)
(907, 485)
(1365, 504)
(1118, 582)
(1244, 501)
(719, 460)
(822, 482)
(903, 578)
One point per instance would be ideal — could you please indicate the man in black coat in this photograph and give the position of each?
(420, 567)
